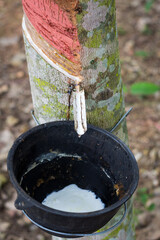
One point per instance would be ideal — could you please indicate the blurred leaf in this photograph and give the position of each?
(125, 90)
(3, 180)
(147, 31)
(151, 207)
(142, 190)
(144, 198)
(142, 195)
(121, 31)
(144, 88)
(149, 5)
(143, 54)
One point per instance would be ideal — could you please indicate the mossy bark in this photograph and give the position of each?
(97, 33)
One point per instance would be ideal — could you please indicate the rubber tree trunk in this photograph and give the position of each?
(90, 50)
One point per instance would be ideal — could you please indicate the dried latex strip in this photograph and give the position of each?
(79, 109)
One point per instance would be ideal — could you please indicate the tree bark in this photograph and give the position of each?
(92, 55)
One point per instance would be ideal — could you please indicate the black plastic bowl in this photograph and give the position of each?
(98, 161)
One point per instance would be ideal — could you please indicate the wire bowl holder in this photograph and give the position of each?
(107, 231)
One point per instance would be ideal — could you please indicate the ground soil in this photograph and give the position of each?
(138, 31)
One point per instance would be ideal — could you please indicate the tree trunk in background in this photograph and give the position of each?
(91, 52)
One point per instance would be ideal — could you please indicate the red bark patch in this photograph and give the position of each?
(54, 25)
